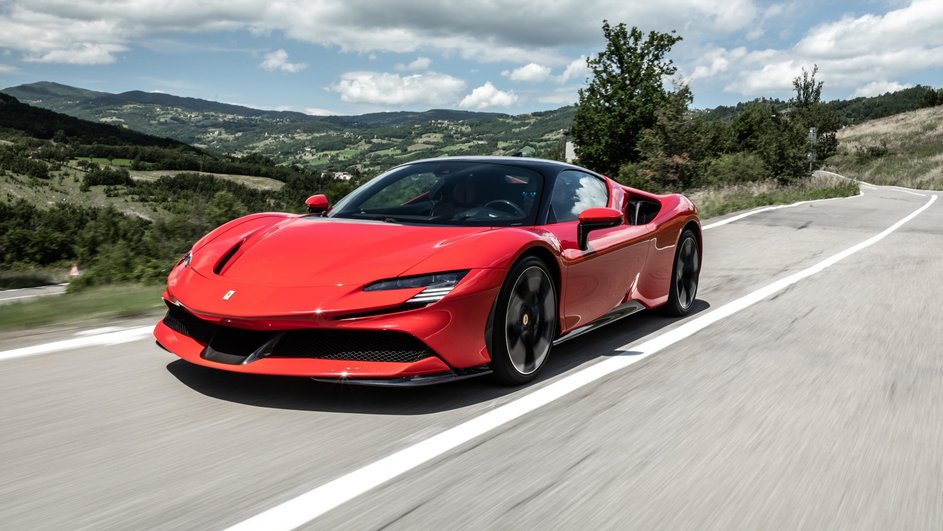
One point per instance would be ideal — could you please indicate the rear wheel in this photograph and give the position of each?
(525, 321)
(684, 276)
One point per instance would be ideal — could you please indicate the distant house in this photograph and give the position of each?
(337, 175)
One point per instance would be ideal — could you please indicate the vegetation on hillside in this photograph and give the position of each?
(904, 150)
(850, 111)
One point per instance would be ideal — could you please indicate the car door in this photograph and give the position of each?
(605, 274)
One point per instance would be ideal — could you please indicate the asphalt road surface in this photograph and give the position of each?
(806, 392)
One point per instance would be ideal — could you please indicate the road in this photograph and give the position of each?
(22, 294)
(816, 403)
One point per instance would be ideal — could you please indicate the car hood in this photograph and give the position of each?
(312, 251)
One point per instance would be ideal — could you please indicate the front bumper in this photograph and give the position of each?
(443, 341)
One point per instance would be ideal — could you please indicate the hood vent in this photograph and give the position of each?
(227, 257)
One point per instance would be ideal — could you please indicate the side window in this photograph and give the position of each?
(573, 192)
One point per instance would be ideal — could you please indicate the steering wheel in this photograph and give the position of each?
(513, 208)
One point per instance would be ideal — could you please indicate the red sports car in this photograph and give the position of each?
(436, 270)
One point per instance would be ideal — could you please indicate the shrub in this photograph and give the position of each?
(732, 168)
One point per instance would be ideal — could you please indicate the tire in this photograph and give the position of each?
(684, 276)
(525, 323)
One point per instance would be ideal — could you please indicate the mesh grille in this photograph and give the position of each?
(358, 345)
(184, 322)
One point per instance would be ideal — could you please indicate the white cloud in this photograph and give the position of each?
(315, 111)
(419, 64)
(716, 61)
(858, 53)
(487, 96)
(278, 60)
(876, 88)
(917, 25)
(82, 54)
(577, 70)
(8, 69)
(479, 31)
(377, 88)
(566, 95)
(531, 72)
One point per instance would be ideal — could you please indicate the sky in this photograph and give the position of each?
(357, 56)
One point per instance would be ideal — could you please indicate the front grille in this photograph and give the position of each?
(184, 322)
(233, 345)
(354, 345)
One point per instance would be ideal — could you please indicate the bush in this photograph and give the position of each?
(732, 168)
(107, 176)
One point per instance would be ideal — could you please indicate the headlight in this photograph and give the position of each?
(437, 285)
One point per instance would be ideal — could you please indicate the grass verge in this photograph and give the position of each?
(94, 303)
(731, 198)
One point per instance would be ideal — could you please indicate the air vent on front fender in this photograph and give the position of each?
(227, 257)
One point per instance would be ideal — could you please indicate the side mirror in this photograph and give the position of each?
(317, 204)
(595, 218)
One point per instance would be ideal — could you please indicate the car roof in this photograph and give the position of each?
(526, 162)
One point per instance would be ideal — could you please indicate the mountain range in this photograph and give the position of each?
(368, 141)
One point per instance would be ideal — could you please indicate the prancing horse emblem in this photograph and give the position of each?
(229, 294)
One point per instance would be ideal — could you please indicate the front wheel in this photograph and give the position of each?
(684, 276)
(525, 321)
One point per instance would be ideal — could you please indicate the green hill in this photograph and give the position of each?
(904, 149)
(369, 142)
(44, 124)
(852, 111)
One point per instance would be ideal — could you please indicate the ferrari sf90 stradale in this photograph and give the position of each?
(435, 270)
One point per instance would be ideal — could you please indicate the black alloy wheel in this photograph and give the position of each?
(684, 276)
(525, 322)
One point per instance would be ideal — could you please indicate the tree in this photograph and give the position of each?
(779, 141)
(623, 97)
(224, 207)
(665, 148)
(809, 111)
(932, 98)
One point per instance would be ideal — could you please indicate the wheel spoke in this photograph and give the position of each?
(528, 365)
(517, 352)
(533, 283)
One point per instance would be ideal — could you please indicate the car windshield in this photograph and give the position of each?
(447, 193)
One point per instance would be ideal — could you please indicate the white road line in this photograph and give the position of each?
(904, 190)
(738, 217)
(314, 503)
(97, 331)
(113, 338)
